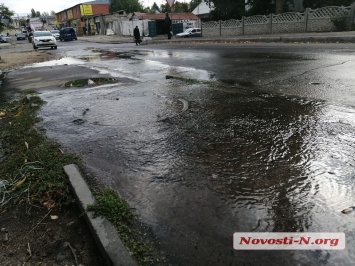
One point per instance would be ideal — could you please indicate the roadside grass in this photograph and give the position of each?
(31, 175)
(186, 80)
(221, 83)
(90, 81)
(118, 212)
(31, 171)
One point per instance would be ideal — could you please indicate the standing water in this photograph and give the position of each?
(232, 161)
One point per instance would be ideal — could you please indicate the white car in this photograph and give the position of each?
(56, 34)
(4, 38)
(43, 39)
(192, 32)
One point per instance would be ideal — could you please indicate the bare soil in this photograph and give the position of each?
(12, 59)
(33, 235)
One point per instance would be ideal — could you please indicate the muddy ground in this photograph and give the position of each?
(12, 59)
(29, 234)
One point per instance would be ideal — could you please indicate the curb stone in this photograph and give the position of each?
(111, 247)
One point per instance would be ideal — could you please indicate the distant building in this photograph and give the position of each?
(87, 14)
(42, 23)
(155, 22)
(203, 10)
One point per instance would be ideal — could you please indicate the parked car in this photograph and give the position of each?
(20, 36)
(67, 34)
(192, 32)
(56, 34)
(4, 38)
(43, 39)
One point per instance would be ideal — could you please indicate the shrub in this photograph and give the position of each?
(340, 22)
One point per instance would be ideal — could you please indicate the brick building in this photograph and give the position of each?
(82, 15)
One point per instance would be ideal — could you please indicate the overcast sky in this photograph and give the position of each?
(25, 6)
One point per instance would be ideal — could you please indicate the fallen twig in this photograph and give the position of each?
(29, 249)
(67, 244)
(39, 222)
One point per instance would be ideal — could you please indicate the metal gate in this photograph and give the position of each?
(152, 28)
(178, 28)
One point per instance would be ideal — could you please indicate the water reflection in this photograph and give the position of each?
(234, 161)
(252, 158)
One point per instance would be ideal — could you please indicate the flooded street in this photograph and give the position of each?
(263, 151)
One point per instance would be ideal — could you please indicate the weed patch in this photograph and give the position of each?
(118, 212)
(31, 170)
(90, 82)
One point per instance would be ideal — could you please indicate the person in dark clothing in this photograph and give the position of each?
(137, 35)
(167, 24)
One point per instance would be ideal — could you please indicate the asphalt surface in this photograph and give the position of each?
(120, 256)
(315, 37)
(329, 37)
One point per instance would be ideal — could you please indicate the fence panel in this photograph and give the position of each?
(321, 19)
(257, 25)
(312, 20)
(231, 28)
(288, 23)
(211, 29)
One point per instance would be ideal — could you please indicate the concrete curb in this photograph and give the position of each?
(113, 250)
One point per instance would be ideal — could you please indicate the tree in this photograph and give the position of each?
(129, 6)
(6, 15)
(322, 3)
(260, 7)
(155, 8)
(178, 7)
(280, 6)
(193, 4)
(181, 7)
(235, 9)
(33, 13)
(22, 22)
(227, 9)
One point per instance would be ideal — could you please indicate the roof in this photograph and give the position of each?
(161, 16)
(96, 2)
(202, 9)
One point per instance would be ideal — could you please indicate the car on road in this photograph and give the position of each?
(4, 38)
(191, 32)
(56, 34)
(20, 36)
(67, 34)
(43, 39)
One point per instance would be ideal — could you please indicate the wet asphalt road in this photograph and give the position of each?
(271, 152)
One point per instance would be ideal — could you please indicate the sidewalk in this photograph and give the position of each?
(309, 37)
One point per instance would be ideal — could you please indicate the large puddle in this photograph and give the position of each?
(232, 162)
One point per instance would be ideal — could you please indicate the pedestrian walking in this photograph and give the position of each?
(167, 24)
(137, 35)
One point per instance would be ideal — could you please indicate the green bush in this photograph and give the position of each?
(340, 23)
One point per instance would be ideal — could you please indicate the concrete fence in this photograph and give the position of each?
(312, 20)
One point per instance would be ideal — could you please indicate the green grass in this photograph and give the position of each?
(33, 164)
(85, 82)
(118, 212)
(34, 176)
